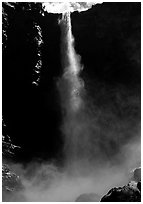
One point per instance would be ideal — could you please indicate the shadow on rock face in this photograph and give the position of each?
(122, 194)
(91, 197)
(139, 185)
(128, 193)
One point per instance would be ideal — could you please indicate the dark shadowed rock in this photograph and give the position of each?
(7, 146)
(122, 194)
(88, 197)
(10, 181)
(139, 185)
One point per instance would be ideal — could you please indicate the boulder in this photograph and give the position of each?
(122, 194)
(88, 197)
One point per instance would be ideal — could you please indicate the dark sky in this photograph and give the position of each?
(108, 39)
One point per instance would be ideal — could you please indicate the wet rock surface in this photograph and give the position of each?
(122, 194)
(128, 193)
(10, 183)
(10, 180)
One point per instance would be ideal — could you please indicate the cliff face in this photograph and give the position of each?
(29, 68)
(108, 39)
(10, 181)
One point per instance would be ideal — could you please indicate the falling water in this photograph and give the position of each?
(72, 89)
(73, 66)
(76, 124)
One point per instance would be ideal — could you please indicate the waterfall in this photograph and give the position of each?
(71, 92)
(72, 66)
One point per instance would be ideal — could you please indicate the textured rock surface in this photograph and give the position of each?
(10, 180)
(7, 146)
(122, 194)
(10, 183)
(129, 193)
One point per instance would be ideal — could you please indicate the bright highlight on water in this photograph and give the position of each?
(71, 72)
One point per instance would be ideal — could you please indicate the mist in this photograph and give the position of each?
(97, 157)
(49, 183)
